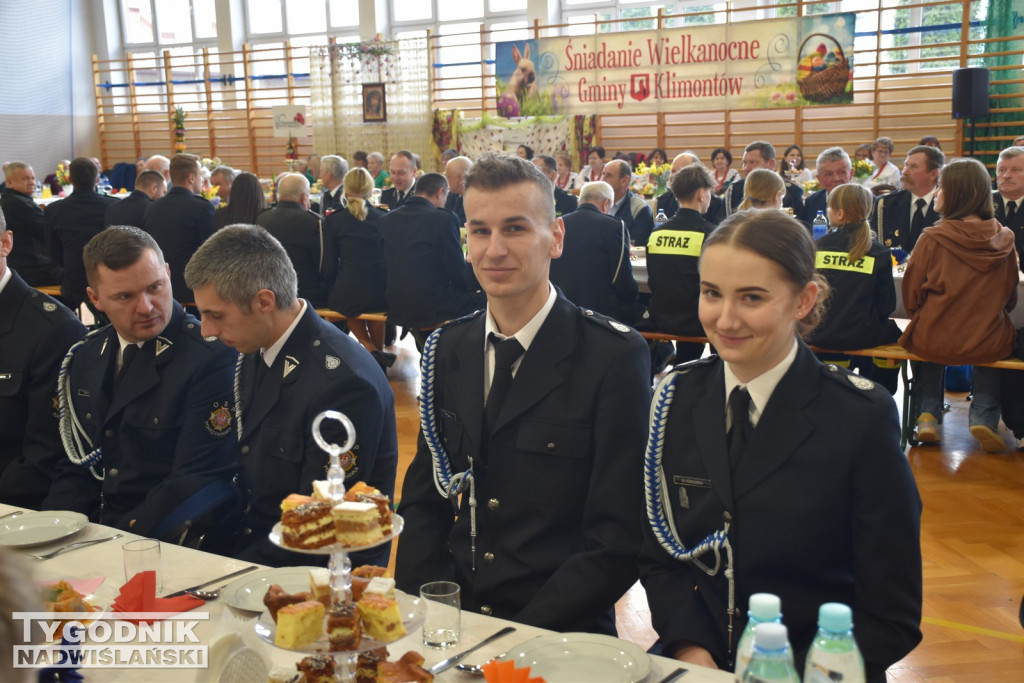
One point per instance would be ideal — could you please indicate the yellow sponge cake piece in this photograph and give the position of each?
(299, 625)
(381, 618)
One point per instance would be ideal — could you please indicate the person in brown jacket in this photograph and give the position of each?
(959, 288)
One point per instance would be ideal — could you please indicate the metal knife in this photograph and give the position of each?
(675, 675)
(212, 581)
(446, 664)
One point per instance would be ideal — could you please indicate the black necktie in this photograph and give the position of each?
(506, 352)
(739, 434)
(261, 371)
(127, 356)
(1011, 211)
(917, 222)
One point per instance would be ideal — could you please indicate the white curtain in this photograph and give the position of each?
(336, 92)
(545, 136)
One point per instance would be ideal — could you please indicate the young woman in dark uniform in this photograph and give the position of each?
(859, 271)
(800, 489)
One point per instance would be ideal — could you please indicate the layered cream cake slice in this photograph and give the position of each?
(356, 524)
(308, 526)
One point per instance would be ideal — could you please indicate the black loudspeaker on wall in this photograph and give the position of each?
(970, 93)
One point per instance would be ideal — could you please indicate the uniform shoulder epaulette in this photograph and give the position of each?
(46, 303)
(688, 366)
(464, 319)
(851, 380)
(604, 322)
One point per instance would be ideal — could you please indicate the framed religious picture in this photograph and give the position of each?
(374, 107)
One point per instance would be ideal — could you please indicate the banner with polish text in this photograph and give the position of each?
(789, 62)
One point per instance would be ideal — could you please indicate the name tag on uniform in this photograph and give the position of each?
(837, 260)
(683, 482)
(675, 242)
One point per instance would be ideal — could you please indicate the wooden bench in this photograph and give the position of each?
(333, 316)
(52, 290)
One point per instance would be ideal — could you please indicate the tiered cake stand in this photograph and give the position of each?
(411, 609)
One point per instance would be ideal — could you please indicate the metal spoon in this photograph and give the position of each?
(473, 669)
(206, 595)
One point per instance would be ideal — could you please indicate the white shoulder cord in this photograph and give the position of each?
(660, 515)
(76, 441)
(448, 485)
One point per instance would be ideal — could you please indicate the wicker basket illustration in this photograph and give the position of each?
(830, 81)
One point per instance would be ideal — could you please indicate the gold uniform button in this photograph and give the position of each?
(493, 504)
(488, 557)
(112, 472)
(245, 450)
(88, 416)
(156, 420)
(551, 445)
(109, 433)
(485, 609)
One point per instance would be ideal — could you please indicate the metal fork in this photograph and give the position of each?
(72, 546)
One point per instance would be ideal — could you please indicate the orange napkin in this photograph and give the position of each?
(506, 672)
(139, 595)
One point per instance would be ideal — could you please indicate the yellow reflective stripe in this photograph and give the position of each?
(837, 260)
(675, 242)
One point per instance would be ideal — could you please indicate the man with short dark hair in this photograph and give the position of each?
(35, 333)
(899, 217)
(673, 255)
(834, 169)
(301, 233)
(565, 203)
(25, 219)
(761, 154)
(147, 408)
(402, 168)
(181, 220)
(539, 408)
(667, 201)
(594, 269)
(296, 365)
(70, 224)
(631, 209)
(149, 186)
(423, 257)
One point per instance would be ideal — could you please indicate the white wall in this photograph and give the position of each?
(47, 107)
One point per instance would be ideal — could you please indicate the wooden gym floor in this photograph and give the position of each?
(972, 540)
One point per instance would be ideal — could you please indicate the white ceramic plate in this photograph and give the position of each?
(411, 609)
(397, 524)
(246, 592)
(37, 528)
(574, 657)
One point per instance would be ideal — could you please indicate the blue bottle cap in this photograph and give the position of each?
(835, 617)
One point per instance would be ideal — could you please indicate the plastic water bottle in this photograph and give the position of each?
(660, 218)
(820, 226)
(834, 655)
(771, 660)
(764, 608)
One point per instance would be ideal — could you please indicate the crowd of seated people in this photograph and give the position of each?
(486, 252)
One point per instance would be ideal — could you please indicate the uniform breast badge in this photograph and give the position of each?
(49, 307)
(332, 362)
(219, 422)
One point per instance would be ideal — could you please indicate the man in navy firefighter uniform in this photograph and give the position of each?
(553, 459)
(296, 366)
(146, 402)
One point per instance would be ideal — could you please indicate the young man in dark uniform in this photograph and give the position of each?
(296, 366)
(35, 333)
(147, 408)
(546, 532)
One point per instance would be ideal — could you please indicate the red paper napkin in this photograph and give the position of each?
(139, 595)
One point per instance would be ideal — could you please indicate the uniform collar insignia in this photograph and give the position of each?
(332, 362)
(290, 363)
(162, 344)
(49, 306)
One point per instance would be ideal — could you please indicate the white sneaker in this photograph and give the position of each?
(989, 439)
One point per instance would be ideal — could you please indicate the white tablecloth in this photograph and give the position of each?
(183, 567)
